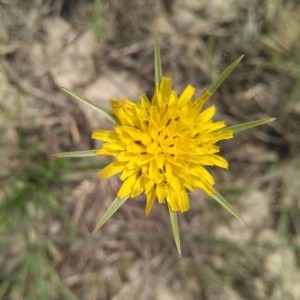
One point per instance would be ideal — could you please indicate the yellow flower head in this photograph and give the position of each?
(162, 147)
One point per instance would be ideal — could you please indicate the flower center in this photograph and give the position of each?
(165, 139)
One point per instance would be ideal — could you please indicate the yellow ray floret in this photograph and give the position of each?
(161, 147)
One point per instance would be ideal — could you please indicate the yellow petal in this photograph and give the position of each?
(138, 187)
(126, 187)
(161, 193)
(104, 135)
(112, 169)
(186, 95)
(150, 200)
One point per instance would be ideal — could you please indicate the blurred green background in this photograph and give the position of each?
(102, 50)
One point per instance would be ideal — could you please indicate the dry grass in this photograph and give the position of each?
(104, 50)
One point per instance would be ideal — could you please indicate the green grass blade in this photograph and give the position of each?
(221, 200)
(249, 125)
(214, 86)
(117, 203)
(84, 153)
(175, 230)
(157, 61)
(100, 109)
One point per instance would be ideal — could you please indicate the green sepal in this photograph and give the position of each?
(107, 113)
(249, 125)
(215, 85)
(116, 204)
(157, 61)
(175, 229)
(83, 153)
(221, 200)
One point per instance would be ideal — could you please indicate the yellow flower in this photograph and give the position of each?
(162, 147)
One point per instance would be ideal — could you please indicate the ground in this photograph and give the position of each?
(103, 50)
